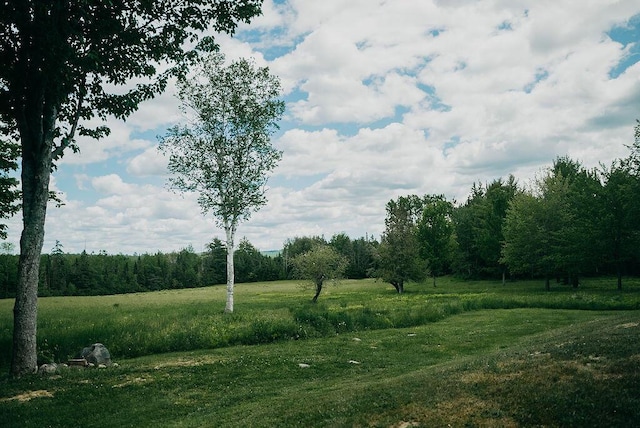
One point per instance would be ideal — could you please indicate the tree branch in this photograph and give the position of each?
(68, 139)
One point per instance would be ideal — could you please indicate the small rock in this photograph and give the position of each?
(357, 339)
(48, 369)
(411, 334)
(304, 366)
(354, 362)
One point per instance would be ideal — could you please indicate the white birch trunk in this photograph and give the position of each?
(230, 231)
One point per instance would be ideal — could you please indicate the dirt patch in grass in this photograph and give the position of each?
(134, 381)
(187, 362)
(29, 395)
(628, 325)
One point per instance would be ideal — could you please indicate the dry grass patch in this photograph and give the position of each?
(464, 410)
(29, 395)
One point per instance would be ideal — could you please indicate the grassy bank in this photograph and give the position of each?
(474, 354)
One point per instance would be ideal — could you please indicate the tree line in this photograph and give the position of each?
(571, 222)
(101, 273)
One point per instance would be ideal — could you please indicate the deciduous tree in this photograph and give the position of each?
(67, 61)
(478, 229)
(618, 223)
(225, 153)
(434, 231)
(399, 252)
(321, 263)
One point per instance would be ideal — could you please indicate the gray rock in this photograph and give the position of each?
(48, 369)
(97, 354)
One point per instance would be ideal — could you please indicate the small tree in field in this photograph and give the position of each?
(320, 264)
(225, 152)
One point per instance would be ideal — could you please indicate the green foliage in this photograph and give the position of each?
(524, 250)
(399, 258)
(76, 49)
(434, 230)
(359, 254)
(321, 263)
(575, 222)
(225, 153)
(9, 193)
(253, 266)
(65, 63)
(215, 263)
(479, 229)
(296, 246)
(617, 229)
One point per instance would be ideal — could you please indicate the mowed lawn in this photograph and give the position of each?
(460, 354)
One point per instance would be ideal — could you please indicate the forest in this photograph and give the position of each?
(569, 223)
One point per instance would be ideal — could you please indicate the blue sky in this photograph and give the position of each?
(384, 98)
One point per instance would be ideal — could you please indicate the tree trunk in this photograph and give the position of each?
(619, 274)
(434, 281)
(36, 135)
(547, 286)
(230, 231)
(318, 290)
(398, 285)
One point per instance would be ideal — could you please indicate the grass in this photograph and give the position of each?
(464, 354)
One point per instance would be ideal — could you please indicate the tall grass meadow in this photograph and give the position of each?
(135, 325)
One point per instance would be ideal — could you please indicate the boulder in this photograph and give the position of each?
(47, 369)
(97, 354)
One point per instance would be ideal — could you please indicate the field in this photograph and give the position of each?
(461, 354)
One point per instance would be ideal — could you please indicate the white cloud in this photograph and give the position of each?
(149, 162)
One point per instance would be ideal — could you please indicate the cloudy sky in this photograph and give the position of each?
(384, 98)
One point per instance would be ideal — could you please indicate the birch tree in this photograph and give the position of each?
(224, 152)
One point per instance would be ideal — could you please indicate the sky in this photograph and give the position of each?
(384, 98)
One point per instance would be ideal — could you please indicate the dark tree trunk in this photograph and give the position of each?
(575, 281)
(318, 290)
(36, 135)
(399, 286)
(546, 283)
